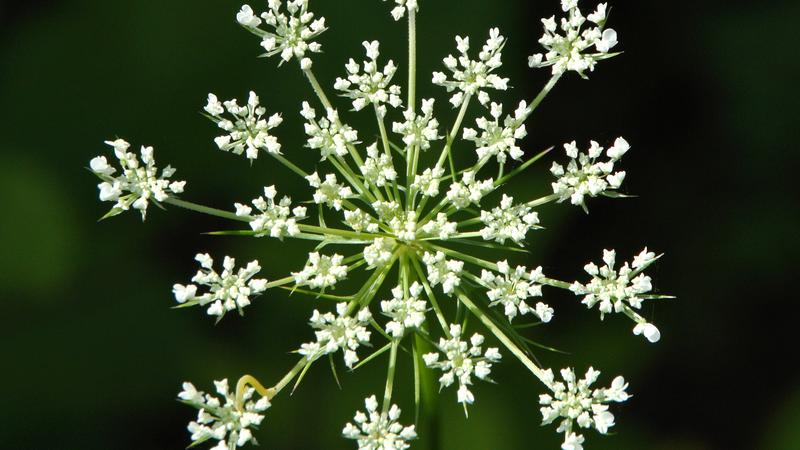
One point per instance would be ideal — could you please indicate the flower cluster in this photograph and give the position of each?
(376, 430)
(139, 182)
(585, 176)
(247, 130)
(292, 34)
(574, 401)
(571, 50)
(404, 216)
(461, 361)
(620, 291)
(226, 422)
(231, 290)
(339, 331)
(511, 289)
(473, 77)
(372, 86)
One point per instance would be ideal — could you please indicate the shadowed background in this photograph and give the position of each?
(93, 356)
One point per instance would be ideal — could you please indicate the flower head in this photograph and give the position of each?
(321, 271)
(406, 311)
(419, 130)
(376, 430)
(585, 175)
(402, 5)
(512, 287)
(275, 219)
(369, 85)
(338, 332)
(247, 131)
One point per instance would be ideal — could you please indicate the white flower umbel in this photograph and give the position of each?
(370, 85)
(461, 361)
(473, 77)
(227, 291)
(275, 219)
(417, 211)
(586, 176)
(620, 291)
(576, 49)
(139, 182)
(574, 402)
(402, 5)
(508, 221)
(290, 35)
(336, 332)
(247, 130)
(328, 134)
(406, 311)
(496, 140)
(321, 271)
(419, 130)
(512, 287)
(375, 430)
(221, 419)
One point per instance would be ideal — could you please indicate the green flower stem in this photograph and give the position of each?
(386, 148)
(290, 165)
(412, 60)
(341, 165)
(542, 94)
(431, 297)
(387, 393)
(502, 180)
(318, 89)
(505, 340)
(279, 283)
(206, 210)
(325, 231)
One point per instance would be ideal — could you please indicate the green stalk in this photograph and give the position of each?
(387, 393)
(205, 210)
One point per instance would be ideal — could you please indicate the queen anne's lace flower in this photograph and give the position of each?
(402, 5)
(380, 252)
(571, 50)
(469, 191)
(508, 221)
(378, 169)
(574, 401)
(329, 192)
(321, 271)
(328, 134)
(247, 129)
(291, 34)
(276, 220)
(585, 176)
(419, 130)
(405, 311)
(620, 291)
(379, 431)
(139, 182)
(427, 183)
(462, 360)
(512, 287)
(338, 332)
(473, 77)
(370, 86)
(222, 420)
(441, 270)
(227, 291)
(498, 140)
(440, 227)
(360, 221)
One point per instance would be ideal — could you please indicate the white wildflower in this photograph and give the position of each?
(328, 134)
(378, 169)
(402, 5)
(321, 271)
(474, 77)
(247, 129)
(574, 401)
(369, 85)
(441, 270)
(380, 252)
(375, 430)
(499, 140)
(221, 419)
(329, 192)
(427, 183)
(508, 221)
(139, 182)
(512, 287)
(461, 361)
(227, 291)
(585, 175)
(440, 227)
(405, 311)
(336, 332)
(469, 191)
(419, 130)
(360, 221)
(290, 34)
(276, 220)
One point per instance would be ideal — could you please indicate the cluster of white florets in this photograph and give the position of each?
(572, 50)
(339, 331)
(585, 176)
(419, 130)
(247, 130)
(223, 420)
(406, 310)
(275, 219)
(473, 77)
(441, 270)
(574, 401)
(512, 287)
(291, 35)
(375, 430)
(321, 271)
(402, 5)
(329, 192)
(369, 85)
(228, 291)
(620, 291)
(139, 182)
(378, 168)
(328, 134)
(496, 140)
(461, 361)
(508, 221)
(469, 191)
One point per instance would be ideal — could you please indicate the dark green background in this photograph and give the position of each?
(93, 356)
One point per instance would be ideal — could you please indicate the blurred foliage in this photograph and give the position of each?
(93, 356)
